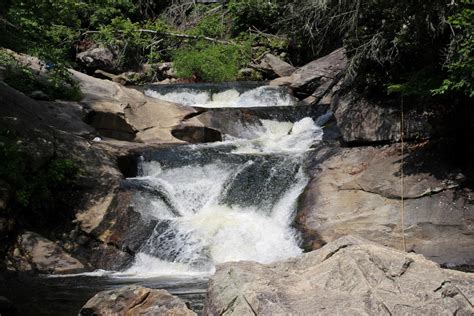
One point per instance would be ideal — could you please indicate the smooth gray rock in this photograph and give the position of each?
(276, 65)
(358, 190)
(135, 300)
(127, 114)
(349, 276)
(364, 121)
(322, 69)
(97, 57)
(317, 77)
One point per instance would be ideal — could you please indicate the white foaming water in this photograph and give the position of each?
(149, 266)
(258, 97)
(216, 218)
(280, 137)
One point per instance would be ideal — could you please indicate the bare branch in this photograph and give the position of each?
(177, 35)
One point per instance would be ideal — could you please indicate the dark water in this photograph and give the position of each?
(64, 296)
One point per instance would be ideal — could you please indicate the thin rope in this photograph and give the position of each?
(402, 176)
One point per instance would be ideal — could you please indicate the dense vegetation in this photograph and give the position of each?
(413, 47)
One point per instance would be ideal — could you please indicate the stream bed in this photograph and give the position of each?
(233, 200)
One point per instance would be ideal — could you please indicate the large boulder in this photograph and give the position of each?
(324, 72)
(64, 116)
(111, 109)
(127, 114)
(98, 57)
(118, 225)
(350, 276)
(274, 66)
(44, 256)
(135, 300)
(50, 130)
(358, 191)
(363, 121)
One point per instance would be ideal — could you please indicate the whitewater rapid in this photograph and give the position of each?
(235, 203)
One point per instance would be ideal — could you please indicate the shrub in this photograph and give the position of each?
(134, 46)
(211, 25)
(460, 59)
(210, 62)
(260, 14)
(33, 188)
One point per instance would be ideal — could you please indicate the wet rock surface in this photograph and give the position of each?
(347, 276)
(135, 300)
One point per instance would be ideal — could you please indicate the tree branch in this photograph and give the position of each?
(181, 35)
(177, 35)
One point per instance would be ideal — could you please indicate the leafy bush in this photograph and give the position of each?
(210, 62)
(260, 14)
(391, 42)
(460, 59)
(134, 46)
(211, 25)
(32, 187)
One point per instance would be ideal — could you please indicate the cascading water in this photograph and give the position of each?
(208, 96)
(228, 201)
(206, 204)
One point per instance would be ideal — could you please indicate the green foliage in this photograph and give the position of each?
(211, 25)
(51, 28)
(32, 187)
(56, 82)
(210, 62)
(134, 46)
(460, 61)
(249, 14)
(420, 83)
(392, 42)
(389, 43)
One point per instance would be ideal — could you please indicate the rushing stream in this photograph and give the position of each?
(212, 203)
(228, 201)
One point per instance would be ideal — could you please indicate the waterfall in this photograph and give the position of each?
(207, 97)
(233, 200)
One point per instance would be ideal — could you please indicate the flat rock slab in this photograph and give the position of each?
(135, 300)
(350, 276)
